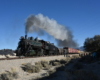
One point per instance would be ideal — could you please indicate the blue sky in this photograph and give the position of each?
(81, 16)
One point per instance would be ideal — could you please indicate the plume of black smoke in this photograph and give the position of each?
(63, 36)
(70, 42)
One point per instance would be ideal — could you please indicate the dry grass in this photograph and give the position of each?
(37, 78)
(39, 64)
(5, 76)
(45, 74)
(54, 62)
(68, 59)
(51, 71)
(37, 67)
(14, 73)
(31, 68)
(46, 65)
(9, 75)
(63, 61)
(58, 62)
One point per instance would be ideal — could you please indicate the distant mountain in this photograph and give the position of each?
(6, 51)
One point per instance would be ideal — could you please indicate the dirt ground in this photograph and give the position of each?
(7, 65)
(76, 68)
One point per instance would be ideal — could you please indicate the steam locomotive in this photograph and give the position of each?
(35, 47)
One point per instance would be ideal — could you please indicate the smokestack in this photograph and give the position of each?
(63, 36)
(25, 34)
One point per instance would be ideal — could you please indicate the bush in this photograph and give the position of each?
(62, 61)
(14, 73)
(55, 62)
(31, 68)
(9, 75)
(45, 65)
(39, 64)
(6, 76)
(68, 59)
(58, 62)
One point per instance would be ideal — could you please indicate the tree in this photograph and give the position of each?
(92, 44)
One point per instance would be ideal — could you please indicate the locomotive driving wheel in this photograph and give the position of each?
(40, 52)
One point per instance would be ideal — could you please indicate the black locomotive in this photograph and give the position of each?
(35, 47)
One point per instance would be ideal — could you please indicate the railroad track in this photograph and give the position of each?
(23, 57)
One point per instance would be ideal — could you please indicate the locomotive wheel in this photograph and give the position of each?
(37, 53)
(40, 52)
(54, 53)
(50, 54)
(26, 54)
